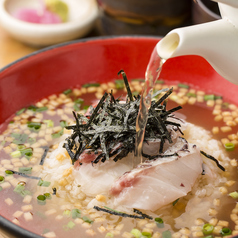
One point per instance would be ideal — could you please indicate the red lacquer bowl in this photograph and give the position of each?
(60, 67)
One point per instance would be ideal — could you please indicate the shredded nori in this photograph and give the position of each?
(24, 175)
(122, 214)
(111, 126)
(44, 155)
(212, 158)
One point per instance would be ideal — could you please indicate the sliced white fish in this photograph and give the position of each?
(159, 182)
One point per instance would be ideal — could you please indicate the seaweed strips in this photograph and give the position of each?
(110, 129)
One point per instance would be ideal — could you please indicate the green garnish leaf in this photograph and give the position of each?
(207, 229)
(234, 195)
(159, 82)
(25, 170)
(16, 154)
(37, 109)
(70, 225)
(225, 231)
(20, 111)
(19, 188)
(109, 235)
(41, 199)
(76, 213)
(8, 172)
(119, 84)
(47, 195)
(182, 85)
(49, 123)
(87, 85)
(68, 91)
(229, 146)
(175, 201)
(2, 179)
(19, 138)
(209, 97)
(86, 219)
(43, 183)
(166, 234)
(136, 233)
(159, 222)
(146, 234)
(34, 126)
(63, 124)
(57, 134)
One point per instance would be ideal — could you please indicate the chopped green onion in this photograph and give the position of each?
(234, 195)
(159, 82)
(67, 212)
(31, 140)
(146, 234)
(209, 97)
(27, 152)
(88, 85)
(225, 105)
(41, 109)
(225, 231)
(3, 143)
(43, 183)
(19, 138)
(181, 85)
(25, 170)
(159, 222)
(19, 188)
(37, 109)
(68, 91)
(71, 224)
(25, 192)
(63, 124)
(77, 104)
(16, 154)
(119, 84)
(76, 213)
(135, 93)
(8, 172)
(11, 122)
(109, 235)
(86, 219)
(49, 123)
(41, 199)
(1, 188)
(57, 134)
(2, 179)
(207, 229)
(47, 195)
(229, 146)
(166, 234)
(20, 111)
(34, 126)
(191, 95)
(85, 107)
(175, 201)
(136, 233)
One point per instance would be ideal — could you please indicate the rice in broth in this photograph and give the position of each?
(78, 198)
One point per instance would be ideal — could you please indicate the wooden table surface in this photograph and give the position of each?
(11, 49)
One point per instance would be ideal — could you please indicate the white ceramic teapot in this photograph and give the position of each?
(216, 41)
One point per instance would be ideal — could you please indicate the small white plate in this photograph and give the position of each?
(82, 16)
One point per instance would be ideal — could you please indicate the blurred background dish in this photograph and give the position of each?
(205, 11)
(148, 17)
(81, 19)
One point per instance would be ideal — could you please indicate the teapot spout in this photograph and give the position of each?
(215, 41)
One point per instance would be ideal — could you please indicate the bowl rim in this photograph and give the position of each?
(5, 224)
(83, 40)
